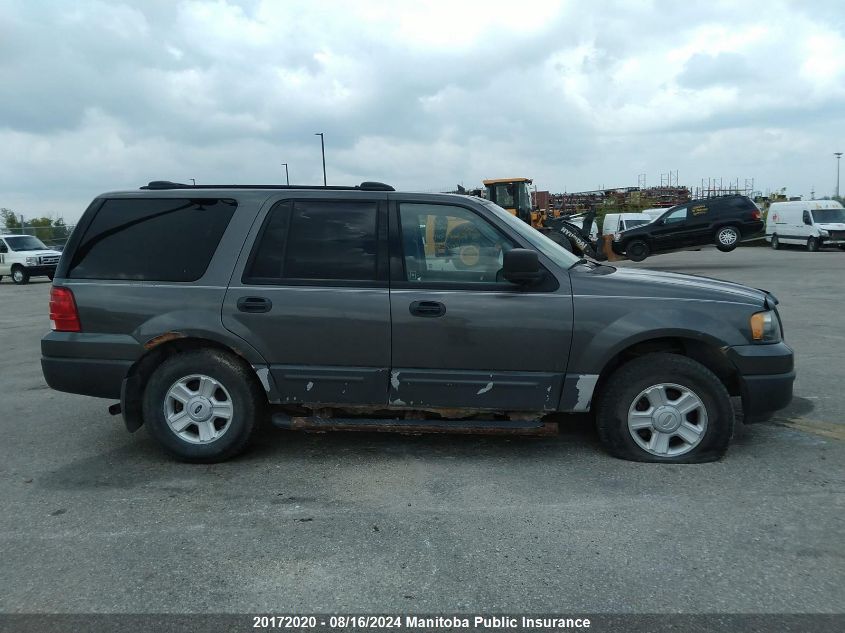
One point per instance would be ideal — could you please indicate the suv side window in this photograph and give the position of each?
(443, 243)
(317, 240)
(676, 216)
(151, 239)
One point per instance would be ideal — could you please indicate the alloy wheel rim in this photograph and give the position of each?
(727, 236)
(198, 409)
(667, 420)
(18, 275)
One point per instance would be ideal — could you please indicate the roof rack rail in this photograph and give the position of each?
(367, 185)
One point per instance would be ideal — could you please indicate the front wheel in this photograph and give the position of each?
(727, 238)
(20, 276)
(813, 244)
(202, 406)
(665, 408)
(637, 250)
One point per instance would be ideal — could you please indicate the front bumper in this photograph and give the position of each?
(766, 374)
(36, 271)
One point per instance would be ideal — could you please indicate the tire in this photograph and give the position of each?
(19, 275)
(622, 403)
(193, 371)
(727, 238)
(813, 244)
(775, 242)
(637, 250)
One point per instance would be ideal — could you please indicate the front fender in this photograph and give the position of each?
(604, 327)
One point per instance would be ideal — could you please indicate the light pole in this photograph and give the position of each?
(194, 181)
(287, 179)
(323, 148)
(838, 156)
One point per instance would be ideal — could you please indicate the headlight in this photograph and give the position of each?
(823, 233)
(765, 327)
(31, 261)
(616, 236)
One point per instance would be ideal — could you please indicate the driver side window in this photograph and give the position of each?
(676, 216)
(443, 243)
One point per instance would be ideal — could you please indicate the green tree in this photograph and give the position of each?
(43, 228)
(10, 220)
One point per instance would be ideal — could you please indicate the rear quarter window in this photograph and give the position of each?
(151, 239)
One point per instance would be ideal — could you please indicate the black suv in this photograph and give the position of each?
(207, 309)
(723, 221)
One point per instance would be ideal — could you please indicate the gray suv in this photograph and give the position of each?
(207, 309)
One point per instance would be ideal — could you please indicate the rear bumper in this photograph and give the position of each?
(87, 376)
(766, 374)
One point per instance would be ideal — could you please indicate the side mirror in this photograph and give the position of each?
(807, 218)
(521, 266)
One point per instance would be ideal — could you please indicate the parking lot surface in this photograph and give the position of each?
(95, 519)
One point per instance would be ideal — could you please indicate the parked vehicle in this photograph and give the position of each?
(809, 223)
(655, 212)
(618, 222)
(25, 256)
(204, 309)
(723, 221)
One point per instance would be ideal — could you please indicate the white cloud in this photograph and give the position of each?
(101, 95)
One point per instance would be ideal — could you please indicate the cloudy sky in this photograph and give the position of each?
(99, 95)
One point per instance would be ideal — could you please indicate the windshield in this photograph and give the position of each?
(629, 224)
(828, 216)
(557, 254)
(525, 197)
(25, 243)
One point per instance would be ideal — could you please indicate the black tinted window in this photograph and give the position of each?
(318, 239)
(151, 239)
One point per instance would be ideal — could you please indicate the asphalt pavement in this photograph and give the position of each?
(96, 520)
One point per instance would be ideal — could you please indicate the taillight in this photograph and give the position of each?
(756, 214)
(63, 314)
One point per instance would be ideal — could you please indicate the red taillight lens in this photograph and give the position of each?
(63, 314)
(756, 214)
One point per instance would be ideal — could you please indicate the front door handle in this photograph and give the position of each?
(427, 308)
(254, 304)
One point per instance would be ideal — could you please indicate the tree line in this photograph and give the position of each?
(44, 228)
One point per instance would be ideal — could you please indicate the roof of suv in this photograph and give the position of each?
(364, 186)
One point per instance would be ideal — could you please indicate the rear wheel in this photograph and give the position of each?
(19, 275)
(202, 406)
(775, 242)
(637, 250)
(813, 244)
(665, 408)
(727, 238)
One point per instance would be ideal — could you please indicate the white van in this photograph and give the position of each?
(618, 222)
(809, 223)
(25, 256)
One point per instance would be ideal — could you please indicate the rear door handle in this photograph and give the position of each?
(427, 308)
(254, 304)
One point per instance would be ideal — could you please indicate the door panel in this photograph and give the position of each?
(491, 345)
(312, 297)
(324, 345)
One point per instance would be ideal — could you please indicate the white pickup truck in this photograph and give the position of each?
(25, 256)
